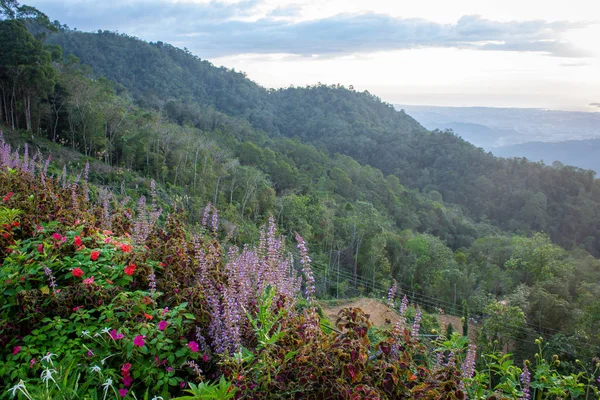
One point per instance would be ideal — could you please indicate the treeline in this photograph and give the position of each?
(216, 137)
(515, 194)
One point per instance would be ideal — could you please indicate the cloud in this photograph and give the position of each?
(217, 29)
(287, 11)
(595, 105)
(574, 64)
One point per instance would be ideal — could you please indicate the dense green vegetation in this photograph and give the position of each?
(375, 195)
(101, 299)
(514, 195)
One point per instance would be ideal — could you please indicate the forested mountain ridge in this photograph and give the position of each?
(424, 217)
(513, 194)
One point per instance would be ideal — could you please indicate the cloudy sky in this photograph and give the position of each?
(508, 53)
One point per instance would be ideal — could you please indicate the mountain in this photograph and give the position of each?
(581, 153)
(513, 195)
(494, 127)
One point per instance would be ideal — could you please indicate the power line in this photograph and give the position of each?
(431, 301)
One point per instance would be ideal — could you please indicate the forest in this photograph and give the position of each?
(376, 198)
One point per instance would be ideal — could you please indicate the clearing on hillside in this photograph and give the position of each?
(382, 316)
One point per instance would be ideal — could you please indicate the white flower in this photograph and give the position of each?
(107, 384)
(105, 330)
(47, 375)
(48, 358)
(19, 386)
(85, 333)
(105, 358)
(157, 398)
(96, 368)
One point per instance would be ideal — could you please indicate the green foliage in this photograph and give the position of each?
(222, 390)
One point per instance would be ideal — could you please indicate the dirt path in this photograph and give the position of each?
(382, 316)
(379, 313)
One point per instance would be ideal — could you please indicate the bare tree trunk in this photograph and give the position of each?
(196, 167)
(217, 190)
(27, 107)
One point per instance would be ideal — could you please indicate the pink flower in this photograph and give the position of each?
(77, 308)
(89, 281)
(125, 368)
(139, 341)
(32, 362)
(123, 392)
(56, 236)
(182, 384)
(77, 242)
(16, 350)
(165, 310)
(127, 380)
(162, 325)
(40, 248)
(193, 346)
(169, 369)
(115, 335)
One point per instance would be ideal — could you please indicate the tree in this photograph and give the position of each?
(26, 73)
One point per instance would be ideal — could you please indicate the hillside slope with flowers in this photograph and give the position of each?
(106, 297)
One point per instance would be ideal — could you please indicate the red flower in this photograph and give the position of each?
(40, 248)
(78, 242)
(77, 272)
(125, 248)
(130, 269)
(148, 317)
(77, 308)
(16, 224)
(8, 196)
(94, 256)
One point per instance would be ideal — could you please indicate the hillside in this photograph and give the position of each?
(512, 194)
(376, 197)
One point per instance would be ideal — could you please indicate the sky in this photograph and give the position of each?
(506, 53)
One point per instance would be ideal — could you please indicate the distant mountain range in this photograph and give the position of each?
(580, 153)
(572, 138)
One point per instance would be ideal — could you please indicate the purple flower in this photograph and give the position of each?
(139, 341)
(193, 346)
(468, 366)
(392, 293)
(162, 325)
(123, 392)
(416, 324)
(115, 335)
(403, 305)
(526, 381)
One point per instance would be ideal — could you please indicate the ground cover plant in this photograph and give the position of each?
(106, 297)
